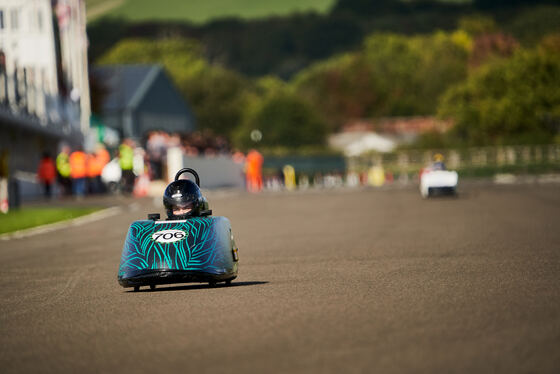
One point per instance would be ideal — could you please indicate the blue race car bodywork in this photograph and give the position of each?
(198, 249)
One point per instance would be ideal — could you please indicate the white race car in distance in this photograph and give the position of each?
(438, 182)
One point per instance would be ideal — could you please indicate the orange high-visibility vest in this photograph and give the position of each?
(78, 164)
(93, 166)
(103, 157)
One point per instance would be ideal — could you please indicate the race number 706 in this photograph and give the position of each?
(169, 236)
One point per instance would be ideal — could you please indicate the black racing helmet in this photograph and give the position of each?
(182, 198)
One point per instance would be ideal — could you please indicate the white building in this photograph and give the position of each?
(358, 142)
(44, 91)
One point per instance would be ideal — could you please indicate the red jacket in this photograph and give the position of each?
(47, 170)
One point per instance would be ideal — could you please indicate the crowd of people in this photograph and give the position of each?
(78, 173)
(206, 144)
(130, 168)
(197, 143)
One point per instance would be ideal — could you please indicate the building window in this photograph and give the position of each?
(14, 19)
(1, 19)
(40, 20)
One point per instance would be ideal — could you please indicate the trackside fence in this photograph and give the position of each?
(479, 161)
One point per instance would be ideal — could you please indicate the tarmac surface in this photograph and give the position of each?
(363, 281)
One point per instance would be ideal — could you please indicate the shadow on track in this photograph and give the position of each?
(445, 198)
(198, 286)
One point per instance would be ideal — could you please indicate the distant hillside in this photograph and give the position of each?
(285, 44)
(200, 11)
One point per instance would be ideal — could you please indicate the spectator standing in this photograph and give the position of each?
(4, 174)
(289, 174)
(63, 170)
(156, 149)
(253, 170)
(102, 155)
(126, 161)
(102, 158)
(46, 174)
(78, 172)
(376, 176)
(93, 173)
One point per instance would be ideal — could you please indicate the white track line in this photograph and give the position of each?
(95, 216)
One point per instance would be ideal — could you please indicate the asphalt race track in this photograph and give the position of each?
(362, 281)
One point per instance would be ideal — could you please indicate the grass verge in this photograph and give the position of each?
(25, 218)
(201, 11)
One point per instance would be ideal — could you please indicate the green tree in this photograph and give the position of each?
(533, 23)
(340, 88)
(478, 24)
(365, 7)
(493, 4)
(218, 97)
(182, 58)
(284, 121)
(508, 101)
(393, 75)
(415, 71)
(491, 46)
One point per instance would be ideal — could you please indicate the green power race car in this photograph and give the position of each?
(190, 245)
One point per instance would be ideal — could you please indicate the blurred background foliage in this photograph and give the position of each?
(283, 119)
(490, 66)
(509, 101)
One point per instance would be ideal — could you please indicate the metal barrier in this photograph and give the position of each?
(215, 172)
(468, 159)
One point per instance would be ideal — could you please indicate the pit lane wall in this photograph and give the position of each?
(218, 171)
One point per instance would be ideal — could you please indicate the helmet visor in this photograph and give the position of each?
(180, 209)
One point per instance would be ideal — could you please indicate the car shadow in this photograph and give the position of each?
(446, 197)
(198, 286)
